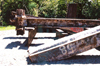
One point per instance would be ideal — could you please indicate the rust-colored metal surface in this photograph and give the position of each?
(74, 25)
(21, 18)
(63, 22)
(32, 33)
(74, 29)
(68, 46)
(19, 21)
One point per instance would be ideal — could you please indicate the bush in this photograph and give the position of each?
(91, 11)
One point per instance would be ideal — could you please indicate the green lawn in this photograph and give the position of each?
(7, 28)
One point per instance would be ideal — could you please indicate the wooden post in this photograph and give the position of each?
(72, 10)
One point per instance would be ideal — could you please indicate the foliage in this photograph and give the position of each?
(92, 11)
(49, 8)
(62, 8)
(33, 8)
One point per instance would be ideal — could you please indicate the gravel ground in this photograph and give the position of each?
(14, 53)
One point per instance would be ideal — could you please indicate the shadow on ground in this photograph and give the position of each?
(15, 45)
(15, 38)
(21, 46)
(84, 59)
(34, 38)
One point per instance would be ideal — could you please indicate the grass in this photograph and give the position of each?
(2, 28)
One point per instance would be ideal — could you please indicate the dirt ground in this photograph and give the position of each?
(14, 53)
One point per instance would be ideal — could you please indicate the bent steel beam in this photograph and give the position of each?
(68, 46)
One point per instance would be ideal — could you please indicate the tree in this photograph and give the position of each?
(48, 8)
(62, 8)
(11, 5)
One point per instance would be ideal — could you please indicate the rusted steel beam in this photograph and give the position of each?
(31, 35)
(21, 18)
(19, 21)
(68, 46)
(62, 22)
